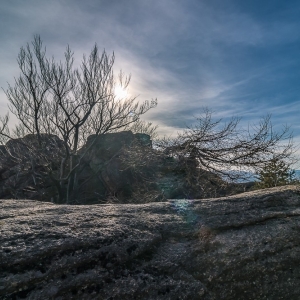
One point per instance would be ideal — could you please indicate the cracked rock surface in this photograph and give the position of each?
(245, 246)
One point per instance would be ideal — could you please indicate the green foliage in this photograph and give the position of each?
(275, 173)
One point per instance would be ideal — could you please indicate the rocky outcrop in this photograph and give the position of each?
(240, 247)
(21, 160)
(102, 158)
(23, 166)
(117, 167)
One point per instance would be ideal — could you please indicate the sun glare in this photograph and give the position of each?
(120, 92)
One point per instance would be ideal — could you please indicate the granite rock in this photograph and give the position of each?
(245, 246)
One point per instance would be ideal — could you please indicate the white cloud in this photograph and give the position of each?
(182, 53)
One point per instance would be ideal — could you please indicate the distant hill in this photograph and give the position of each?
(250, 176)
(297, 174)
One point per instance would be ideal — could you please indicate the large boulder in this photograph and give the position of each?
(105, 146)
(240, 247)
(21, 159)
(102, 157)
(100, 175)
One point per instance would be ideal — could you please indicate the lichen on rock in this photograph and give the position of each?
(245, 246)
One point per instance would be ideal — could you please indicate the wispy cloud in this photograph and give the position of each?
(193, 54)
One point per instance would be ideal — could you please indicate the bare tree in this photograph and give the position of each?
(206, 158)
(227, 149)
(54, 99)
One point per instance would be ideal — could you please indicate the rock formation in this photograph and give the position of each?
(105, 172)
(102, 169)
(240, 247)
(21, 161)
(102, 158)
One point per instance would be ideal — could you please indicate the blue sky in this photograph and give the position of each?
(238, 58)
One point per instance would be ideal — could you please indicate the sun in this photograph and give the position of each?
(120, 92)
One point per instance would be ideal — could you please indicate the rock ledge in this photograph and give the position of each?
(245, 246)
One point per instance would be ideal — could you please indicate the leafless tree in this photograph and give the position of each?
(212, 156)
(227, 150)
(55, 99)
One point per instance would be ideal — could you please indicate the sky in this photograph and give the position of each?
(237, 58)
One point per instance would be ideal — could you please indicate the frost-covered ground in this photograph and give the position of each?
(245, 246)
